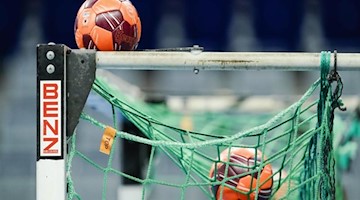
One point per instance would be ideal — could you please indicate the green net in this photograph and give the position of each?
(288, 155)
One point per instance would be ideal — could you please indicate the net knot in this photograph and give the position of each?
(334, 77)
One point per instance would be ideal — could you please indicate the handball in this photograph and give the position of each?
(241, 187)
(107, 25)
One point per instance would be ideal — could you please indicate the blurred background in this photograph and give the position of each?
(227, 25)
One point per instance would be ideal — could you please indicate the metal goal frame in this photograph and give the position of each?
(65, 77)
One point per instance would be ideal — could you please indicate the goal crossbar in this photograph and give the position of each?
(198, 60)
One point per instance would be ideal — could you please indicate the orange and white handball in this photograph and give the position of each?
(241, 175)
(107, 25)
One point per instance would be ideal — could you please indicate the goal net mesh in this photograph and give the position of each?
(296, 143)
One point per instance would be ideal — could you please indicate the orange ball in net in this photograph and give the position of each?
(107, 25)
(242, 187)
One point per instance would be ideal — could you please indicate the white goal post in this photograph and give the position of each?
(65, 77)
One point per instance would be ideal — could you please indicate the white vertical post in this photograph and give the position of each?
(51, 123)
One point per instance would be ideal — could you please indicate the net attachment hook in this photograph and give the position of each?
(335, 77)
